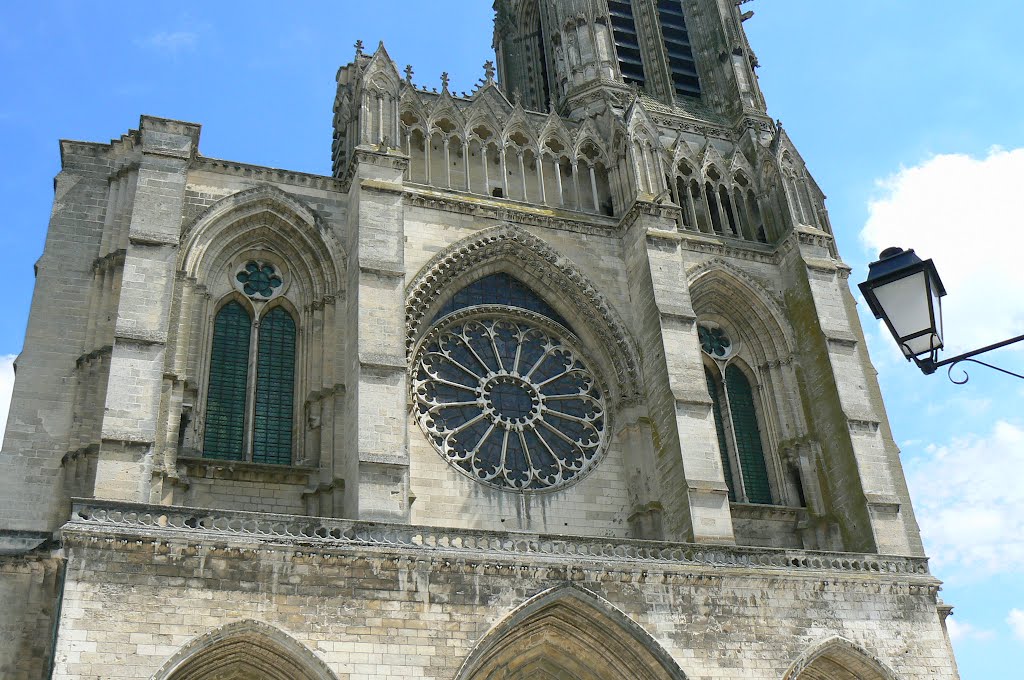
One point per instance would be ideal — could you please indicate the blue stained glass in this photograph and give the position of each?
(500, 289)
(508, 404)
(511, 401)
(259, 280)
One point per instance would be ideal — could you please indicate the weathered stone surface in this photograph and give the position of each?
(371, 551)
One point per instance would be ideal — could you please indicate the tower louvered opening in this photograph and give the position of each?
(627, 42)
(677, 48)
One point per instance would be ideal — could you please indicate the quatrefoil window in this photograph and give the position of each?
(259, 280)
(714, 341)
(506, 400)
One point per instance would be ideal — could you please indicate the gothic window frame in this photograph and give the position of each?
(716, 368)
(258, 308)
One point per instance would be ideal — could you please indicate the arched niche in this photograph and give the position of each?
(267, 226)
(762, 348)
(514, 250)
(723, 293)
(264, 218)
(837, 658)
(244, 650)
(571, 634)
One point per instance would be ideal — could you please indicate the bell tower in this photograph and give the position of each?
(690, 54)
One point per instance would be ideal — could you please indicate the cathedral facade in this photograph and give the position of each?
(559, 378)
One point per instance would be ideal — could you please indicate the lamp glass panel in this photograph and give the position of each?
(907, 305)
(922, 344)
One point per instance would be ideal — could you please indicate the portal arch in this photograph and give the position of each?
(837, 658)
(244, 649)
(571, 633)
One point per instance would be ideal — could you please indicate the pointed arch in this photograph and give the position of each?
(445, 108)
(249, 649)
(267, 218)
(720, 291)
(837, 658)
(568, 632)
(514, 250)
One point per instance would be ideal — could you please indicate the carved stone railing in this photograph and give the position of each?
(209, 525)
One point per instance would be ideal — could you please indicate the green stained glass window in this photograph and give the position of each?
(720, 430)
(275, 389)
(229, 374)
(748, 437)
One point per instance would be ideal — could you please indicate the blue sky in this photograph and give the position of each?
(908, 115)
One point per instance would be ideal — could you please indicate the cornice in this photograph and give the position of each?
(265, 174)
(325, 538)
(508, 211)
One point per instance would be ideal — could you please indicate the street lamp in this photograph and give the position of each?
(906, 293)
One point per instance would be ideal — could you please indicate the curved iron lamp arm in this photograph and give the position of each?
(929, 365)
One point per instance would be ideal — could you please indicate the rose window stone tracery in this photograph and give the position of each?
(507, 399)
(259, 280)
(714, 341)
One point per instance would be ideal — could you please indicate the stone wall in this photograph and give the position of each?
(376, 601)
(30, 590)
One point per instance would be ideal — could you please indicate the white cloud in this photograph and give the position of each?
(1015, 620)
(963, 213)
(959, 632)
(970, 502)
(170, 41)
(6, 387)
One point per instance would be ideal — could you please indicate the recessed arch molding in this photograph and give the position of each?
(570, 633)
(535, 262)
(244, 649)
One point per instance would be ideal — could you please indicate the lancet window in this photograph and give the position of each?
(737, 422)
(251, 388)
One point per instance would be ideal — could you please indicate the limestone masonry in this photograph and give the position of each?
(561, 378)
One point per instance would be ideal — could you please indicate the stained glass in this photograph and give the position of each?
(500, 289)
(229, 374)
(508, 403)
(716, 408)
(714, 341)
(748, 437)
(259, 280)
(275, 389)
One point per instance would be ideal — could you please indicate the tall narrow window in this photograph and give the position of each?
(275, 380)
(723, 447)
(250, 400)
(677, 48)
(229, 379)
(739, 435)
(627, 43)
(748, 436)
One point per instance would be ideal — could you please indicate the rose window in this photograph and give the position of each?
(714, 341)
(259, 280)
(505, 399)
